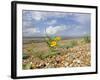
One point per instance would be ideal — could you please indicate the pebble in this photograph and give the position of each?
(74, 57)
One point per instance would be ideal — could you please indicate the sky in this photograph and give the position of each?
(67, 24)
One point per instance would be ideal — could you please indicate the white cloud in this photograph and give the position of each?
(27, 24)
(53, 30)
(38, 15)
(31, 31)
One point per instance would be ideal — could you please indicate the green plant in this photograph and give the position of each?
(42, 55)
(52, 43)
(71, 44)
(27, 66)
(25, 56)
(86, 39)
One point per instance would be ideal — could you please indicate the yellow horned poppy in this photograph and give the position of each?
(57, 38)
(53, 43)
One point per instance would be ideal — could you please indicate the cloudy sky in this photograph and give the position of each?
(39, 23)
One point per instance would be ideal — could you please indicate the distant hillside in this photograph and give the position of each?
(42, 39)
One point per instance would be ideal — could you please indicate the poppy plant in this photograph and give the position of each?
(53, 43)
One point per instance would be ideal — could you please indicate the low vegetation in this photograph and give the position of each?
(62, 54)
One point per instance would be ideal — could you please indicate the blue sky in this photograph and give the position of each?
(39, 23)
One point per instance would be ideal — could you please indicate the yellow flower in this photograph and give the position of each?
(57, 38)
(53, 43)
